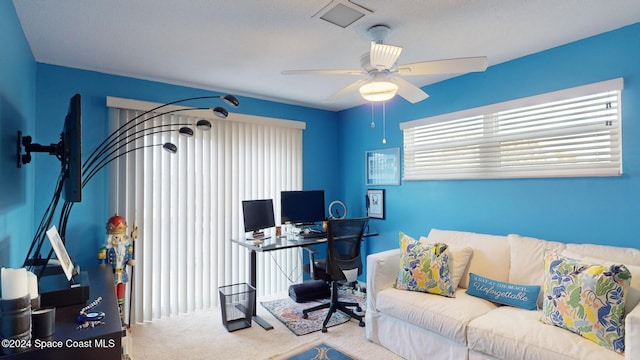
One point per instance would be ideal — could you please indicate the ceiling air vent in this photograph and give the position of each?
(342, 13)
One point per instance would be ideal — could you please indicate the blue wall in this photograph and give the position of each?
(56, 85)
(17, 112)
(591, 210)
(34, 98)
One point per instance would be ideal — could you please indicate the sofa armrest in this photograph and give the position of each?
(632, 334)
(382, 272)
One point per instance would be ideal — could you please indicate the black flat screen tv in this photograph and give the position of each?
(302, 207)
(72, 151)
(258, 215)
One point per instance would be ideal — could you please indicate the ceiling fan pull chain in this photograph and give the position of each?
(373, 123)
(384, 123)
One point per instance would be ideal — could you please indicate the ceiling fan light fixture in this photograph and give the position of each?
(378, 90)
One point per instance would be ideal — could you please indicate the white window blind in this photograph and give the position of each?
(572, 132)
(188, 206)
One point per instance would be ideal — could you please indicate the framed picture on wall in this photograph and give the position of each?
(375, 203)
(382, 167)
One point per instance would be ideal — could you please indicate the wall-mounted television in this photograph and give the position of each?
(302, 207)
(258, 216)
(68, 150)
(72, 151)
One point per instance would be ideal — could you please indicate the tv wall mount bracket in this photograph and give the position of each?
(29, 146)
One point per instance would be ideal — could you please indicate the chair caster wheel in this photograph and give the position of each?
(361, 324)
(305, 316)
(324, 329)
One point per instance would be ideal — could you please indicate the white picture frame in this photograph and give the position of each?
(61, 251)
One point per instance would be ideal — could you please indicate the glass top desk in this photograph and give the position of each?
(273, 243)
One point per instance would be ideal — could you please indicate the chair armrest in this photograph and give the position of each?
(632, 334)
(382, 272)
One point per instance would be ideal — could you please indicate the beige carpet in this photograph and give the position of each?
(201, 335)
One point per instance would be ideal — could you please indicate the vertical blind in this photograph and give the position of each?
(572, 132)
(187, 207)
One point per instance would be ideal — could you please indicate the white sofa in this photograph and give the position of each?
(417, 325)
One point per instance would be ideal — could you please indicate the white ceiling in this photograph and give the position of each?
(241, 46)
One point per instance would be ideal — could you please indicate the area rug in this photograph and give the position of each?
(318, 350)
(289, 313)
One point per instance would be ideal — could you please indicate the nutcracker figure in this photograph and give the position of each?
(119, 254)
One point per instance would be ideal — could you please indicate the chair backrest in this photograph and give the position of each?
(343, 246)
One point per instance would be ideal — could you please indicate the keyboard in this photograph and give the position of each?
(313, 235)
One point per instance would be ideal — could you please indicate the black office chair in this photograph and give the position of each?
(343, 263)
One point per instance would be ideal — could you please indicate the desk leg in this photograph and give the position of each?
(252, 281)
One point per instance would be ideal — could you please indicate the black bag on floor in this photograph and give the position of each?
(309, 290)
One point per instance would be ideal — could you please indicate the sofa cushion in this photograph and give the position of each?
(633, 292)
(445, 316)
(424, 267)
(513, 333)
(527, 266)
(490, 253)
(586, 299)
(522, 296)
(627, 256)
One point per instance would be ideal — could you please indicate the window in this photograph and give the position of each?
(572, 132)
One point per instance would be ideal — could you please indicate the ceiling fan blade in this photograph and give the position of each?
(410, 92)
(354, 86)
(383, 56)
(323, 72)
(447, 66)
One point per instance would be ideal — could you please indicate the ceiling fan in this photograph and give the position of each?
(384, 77)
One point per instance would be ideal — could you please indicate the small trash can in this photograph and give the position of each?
(237, 302)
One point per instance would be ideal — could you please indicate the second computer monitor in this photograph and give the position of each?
(302, 207)
(258, 215)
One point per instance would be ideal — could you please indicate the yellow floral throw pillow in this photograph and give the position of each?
(424, 267)
(587, 299)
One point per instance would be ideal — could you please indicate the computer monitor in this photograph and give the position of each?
(258, 215)
(302, 207)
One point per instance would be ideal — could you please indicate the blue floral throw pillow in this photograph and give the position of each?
(424, 267)
(522, 296)
(587, 299)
